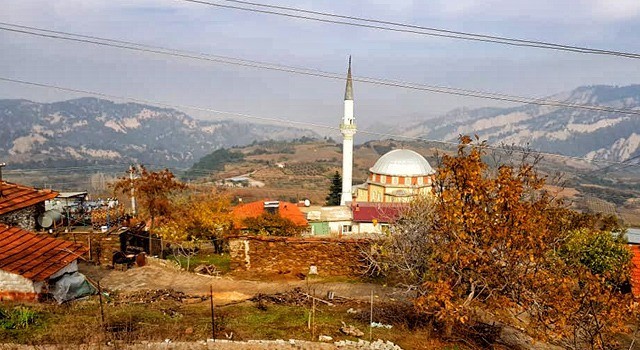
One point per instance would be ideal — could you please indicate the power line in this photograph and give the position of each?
(412, 29)
(286, 121)
(304, 71)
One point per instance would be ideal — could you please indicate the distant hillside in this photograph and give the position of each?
(95, 131)
(569, 131)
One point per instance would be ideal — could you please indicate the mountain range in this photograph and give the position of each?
(96, 131)
(569, 131)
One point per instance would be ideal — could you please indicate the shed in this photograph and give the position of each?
(32, 265)
(21, 205)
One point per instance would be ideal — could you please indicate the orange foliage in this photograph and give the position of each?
(492, 255)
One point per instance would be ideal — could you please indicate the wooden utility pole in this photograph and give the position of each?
(213, 315)
(371, 318)
(133, 195)
(101, 306)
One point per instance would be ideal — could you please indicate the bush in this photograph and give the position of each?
(19, 317)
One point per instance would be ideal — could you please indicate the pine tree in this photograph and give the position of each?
(335, 191)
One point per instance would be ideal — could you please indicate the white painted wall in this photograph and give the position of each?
(335, 227)
(11, 282)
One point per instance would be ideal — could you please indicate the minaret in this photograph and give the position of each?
(348, 129)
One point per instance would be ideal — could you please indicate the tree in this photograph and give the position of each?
(489, 253)
(272, 225)
(197, 217)
(335, 191)
(152, 190)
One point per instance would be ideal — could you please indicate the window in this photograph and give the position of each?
(346, 228)
(394, 180)
(420, 178)
(383, 178)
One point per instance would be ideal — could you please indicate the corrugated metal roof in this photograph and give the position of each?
(33, 256)
(16, 197)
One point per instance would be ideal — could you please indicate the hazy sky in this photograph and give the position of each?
(605, 24)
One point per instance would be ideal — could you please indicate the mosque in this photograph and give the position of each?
(397, 177)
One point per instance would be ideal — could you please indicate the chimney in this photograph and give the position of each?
(271, 207)
(2, 165)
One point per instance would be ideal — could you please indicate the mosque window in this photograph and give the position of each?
(420, 180)
(383, 178)
(394, 180)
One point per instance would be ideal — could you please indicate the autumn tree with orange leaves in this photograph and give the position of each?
(199, 216)
(488, 250)
(152, 189)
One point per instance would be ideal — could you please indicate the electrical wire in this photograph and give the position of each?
(412, 29)
(305, 71)
(286, 121)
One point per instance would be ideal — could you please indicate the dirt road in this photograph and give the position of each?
(225, 289)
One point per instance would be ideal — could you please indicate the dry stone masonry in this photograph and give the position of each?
(297, 256)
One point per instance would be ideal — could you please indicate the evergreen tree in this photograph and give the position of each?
(335, 191)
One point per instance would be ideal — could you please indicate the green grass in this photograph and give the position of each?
(80, 322)
(221, 261)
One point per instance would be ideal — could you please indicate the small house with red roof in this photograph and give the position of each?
(32, 265)
(374, 218)
(22, 205)
(254, 209)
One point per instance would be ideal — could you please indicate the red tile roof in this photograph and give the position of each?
(635, 270)
(14, 197)
(367, 212)
(254, 209)
(33, 256)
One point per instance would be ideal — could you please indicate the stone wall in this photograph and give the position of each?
(24, 218)
(295, 255)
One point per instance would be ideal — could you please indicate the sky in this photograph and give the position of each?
(603, 24)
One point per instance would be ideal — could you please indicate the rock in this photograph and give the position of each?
(351, 330)
(325, 338)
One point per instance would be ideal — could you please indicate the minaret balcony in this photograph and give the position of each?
(347, 126)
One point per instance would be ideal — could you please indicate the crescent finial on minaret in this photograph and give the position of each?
(348, 92)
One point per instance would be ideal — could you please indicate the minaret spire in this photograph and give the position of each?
(348, 92)
(348, 129)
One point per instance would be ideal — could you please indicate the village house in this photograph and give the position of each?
(32, 265)
(22, 205)
(374, 218)
(254, 209)
(328, 221)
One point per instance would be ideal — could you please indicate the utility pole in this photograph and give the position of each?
(133, 196)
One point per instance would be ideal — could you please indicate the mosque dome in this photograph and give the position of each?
(402, 162)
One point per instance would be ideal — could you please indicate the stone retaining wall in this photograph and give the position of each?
(295, 255)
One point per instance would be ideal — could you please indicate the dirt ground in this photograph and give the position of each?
(227, 288)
